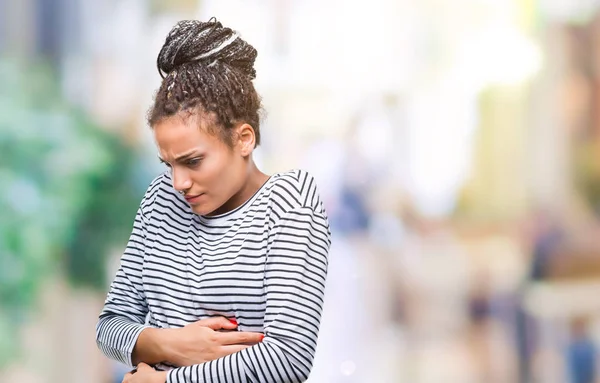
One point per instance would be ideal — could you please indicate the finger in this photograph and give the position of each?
(218, 323)
(230, 349)
(143, 366)
(239, 337)
(126, 377)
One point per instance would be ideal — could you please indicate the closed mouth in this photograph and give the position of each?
(192, 197)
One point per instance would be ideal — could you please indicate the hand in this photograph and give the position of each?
(199, 342)
(145, 374)
(155, 345)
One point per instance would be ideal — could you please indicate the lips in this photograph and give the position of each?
(192, 198)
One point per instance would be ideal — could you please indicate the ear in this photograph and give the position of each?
(246, 139)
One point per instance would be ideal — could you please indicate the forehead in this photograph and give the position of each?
(177, 135)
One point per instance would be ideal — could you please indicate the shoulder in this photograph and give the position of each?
(297, 205)
(295, 189)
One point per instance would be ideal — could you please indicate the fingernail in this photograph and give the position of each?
(233, 321)
(262, 337)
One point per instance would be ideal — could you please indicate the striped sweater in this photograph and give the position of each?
(264, 264)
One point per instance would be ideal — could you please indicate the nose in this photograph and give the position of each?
(181, 179)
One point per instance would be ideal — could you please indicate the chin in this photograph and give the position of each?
(201, 210)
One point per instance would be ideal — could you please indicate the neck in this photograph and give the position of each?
(255, 179)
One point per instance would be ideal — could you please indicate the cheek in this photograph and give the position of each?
(215, 171)
(227, 175)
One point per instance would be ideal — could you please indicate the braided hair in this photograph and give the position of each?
(207, 70)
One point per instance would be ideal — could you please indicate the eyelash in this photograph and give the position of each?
(165, 163)
(194, 162)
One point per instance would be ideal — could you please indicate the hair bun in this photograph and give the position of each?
(206, 43)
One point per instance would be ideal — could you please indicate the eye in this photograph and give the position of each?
(164, 162)
(193, 162)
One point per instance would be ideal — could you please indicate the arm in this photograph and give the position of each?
(121, 333)
(125, 309)
(295, 272)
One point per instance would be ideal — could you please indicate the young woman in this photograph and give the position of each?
(223, 276)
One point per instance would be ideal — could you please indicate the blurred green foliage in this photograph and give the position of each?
(66, 194)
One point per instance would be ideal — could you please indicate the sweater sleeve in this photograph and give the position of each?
(124, 314)
(295, 272)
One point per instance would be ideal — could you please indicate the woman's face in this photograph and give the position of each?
(205, 169)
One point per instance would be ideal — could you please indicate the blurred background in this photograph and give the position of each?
(456, 144)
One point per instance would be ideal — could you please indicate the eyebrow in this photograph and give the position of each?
(181, 157)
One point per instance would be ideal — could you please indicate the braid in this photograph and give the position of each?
(207, 68)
